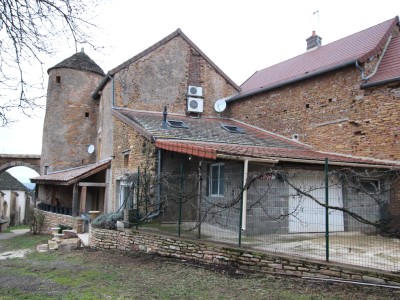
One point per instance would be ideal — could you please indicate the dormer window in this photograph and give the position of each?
(233, 129)
(177, 124)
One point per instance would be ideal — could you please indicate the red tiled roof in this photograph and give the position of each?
(389, 68)
(70, 176)
(356, 47)
(212, 150)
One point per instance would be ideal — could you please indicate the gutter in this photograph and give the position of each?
(367, 85)
(278, 85)
(305, 161)
(363, 77)
(95, 94)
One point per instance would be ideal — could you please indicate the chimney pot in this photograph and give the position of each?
(314, 41)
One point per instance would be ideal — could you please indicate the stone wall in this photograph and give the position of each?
(132, 240)
(70, 120)
(330, 112)
(54, 220)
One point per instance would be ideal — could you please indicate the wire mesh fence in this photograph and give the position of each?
(341, 216)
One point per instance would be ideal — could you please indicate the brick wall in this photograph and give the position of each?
(132, 240)
(54, 220)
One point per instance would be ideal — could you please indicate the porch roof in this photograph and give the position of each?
(272, 154)
(73, 175)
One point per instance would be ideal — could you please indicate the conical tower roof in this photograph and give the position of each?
(79, 61)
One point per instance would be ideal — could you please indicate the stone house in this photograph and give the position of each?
(100, 128)
(340, 97)
(14, 199)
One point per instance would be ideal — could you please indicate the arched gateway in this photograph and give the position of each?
(8, 161)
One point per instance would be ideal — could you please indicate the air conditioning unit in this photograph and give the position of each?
(195, 91)
(195, 104)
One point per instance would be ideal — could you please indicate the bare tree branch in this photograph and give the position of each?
(28, 31)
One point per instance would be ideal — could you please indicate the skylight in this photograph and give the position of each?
(233, 129)
(177, 124)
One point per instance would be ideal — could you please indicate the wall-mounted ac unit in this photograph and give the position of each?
(195, 91)
(195, 104)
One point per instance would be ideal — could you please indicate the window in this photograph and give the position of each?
(126, 195)
(86, 115)
(370, 186)
(216, 177)
(126, 160)
(177, 124)
(233, 129)
(58, 79)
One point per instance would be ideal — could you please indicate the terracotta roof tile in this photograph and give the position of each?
(212, 150)
(67, 177)
(389, 68)
(356, 47)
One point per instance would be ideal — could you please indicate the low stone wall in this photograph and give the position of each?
(54, 220)
(243, 259)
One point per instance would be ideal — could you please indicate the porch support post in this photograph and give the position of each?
(75, 200)
(83, 200)
(244, 207)
(107, 190)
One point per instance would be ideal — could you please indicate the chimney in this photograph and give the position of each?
(164, 122)
(314, 41)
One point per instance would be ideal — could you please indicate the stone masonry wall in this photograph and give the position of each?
(132, 240)
(331, 113)
(161, 78)
(54, 220)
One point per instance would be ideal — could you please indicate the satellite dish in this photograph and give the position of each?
(220, 105)
(90, 149)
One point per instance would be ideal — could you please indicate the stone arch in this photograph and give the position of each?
(32, 162)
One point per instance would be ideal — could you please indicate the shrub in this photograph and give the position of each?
(64, 227)
(35, 220)
(108, 221)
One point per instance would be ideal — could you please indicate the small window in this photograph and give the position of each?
(233, 129)
(307, 105)
(86, 115)
(216, 180)
(370, 186)
(126, 160)
(177, 124)
(58, 79)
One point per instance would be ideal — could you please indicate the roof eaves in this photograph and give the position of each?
(381, 44)
(381, 82)
(133, 124)
(96, 93)
(164, 41)
(145, 52)
(294, 80)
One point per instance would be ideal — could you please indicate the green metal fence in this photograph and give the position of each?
(337, 215)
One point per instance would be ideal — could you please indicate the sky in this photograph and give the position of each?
(240, 37)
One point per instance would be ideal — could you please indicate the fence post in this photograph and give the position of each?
(137, 197)
(200, 196)
(180, 202)
(145, 191)
(326, 211)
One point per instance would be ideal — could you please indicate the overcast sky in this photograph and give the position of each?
(241, 37)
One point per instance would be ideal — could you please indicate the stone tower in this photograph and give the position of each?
(71, 114)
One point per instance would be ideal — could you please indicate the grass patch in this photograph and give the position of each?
(23, 241)
(11, 228)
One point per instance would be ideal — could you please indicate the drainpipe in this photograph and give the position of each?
(363, 77)
(244, 207)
